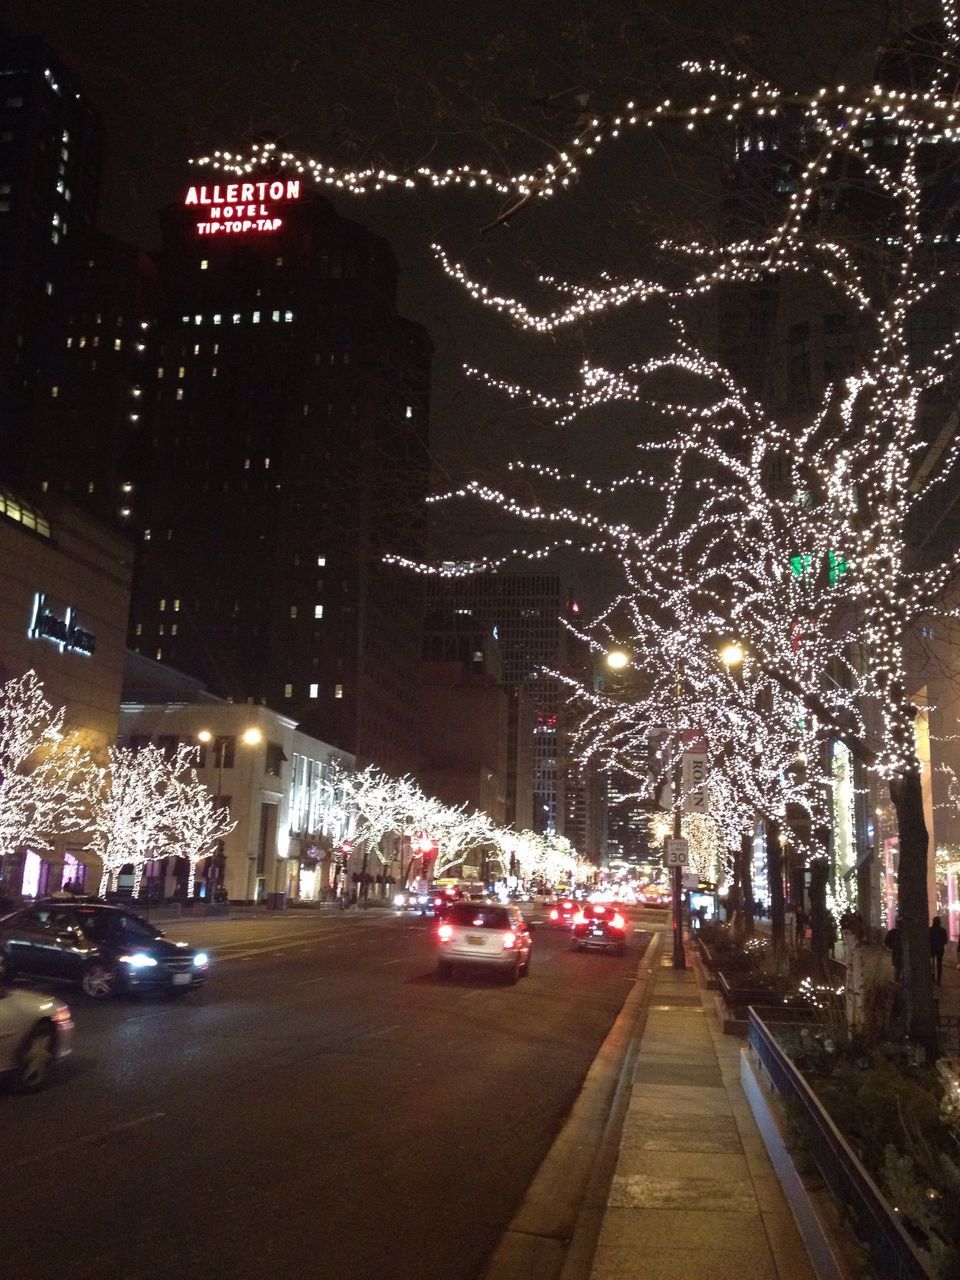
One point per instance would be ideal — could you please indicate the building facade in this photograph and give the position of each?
(50, 149)
(279, 785)
(285, 453)
(64, 598)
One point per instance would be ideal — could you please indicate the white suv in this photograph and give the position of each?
(484, 935)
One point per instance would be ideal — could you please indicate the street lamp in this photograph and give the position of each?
(731, 655)
(250, 737)
(618, 660)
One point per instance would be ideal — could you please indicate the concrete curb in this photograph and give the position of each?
(553, 1234)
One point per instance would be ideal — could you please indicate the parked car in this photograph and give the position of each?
(104, 949)
(484, 935)
(600, 927)
(35, 1032)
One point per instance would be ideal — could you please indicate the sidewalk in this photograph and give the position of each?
(694, 1196)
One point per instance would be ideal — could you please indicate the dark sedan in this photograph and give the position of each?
(597, 926)
(103, 949)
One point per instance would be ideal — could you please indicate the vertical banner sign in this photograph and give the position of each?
(696, 795)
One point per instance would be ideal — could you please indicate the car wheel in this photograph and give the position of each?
(98, 981)
(35, 1058)
(444, 969)
(514, 973)
(526, 965)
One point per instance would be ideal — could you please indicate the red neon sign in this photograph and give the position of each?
(237, 207)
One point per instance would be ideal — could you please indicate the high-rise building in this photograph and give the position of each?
(49, 178)
(286, 417)
(87, 423)
(526, 613)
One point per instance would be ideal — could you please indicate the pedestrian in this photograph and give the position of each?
(802, 922)
(894, 944)
(938, 944)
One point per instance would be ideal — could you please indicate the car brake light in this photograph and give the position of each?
(445, 932)
(599, 910)
(618, 921)
(568, 906)
(509, 941)
(61, 1014)
(554, 914)
(580, 918)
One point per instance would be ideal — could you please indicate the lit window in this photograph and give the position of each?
(173, 629)
(409, 411)
(318, 610)
(288, 690)
(256, 317)
(54, 392)
(266, 464)
(138, 629)
(288, 316)
(213, 372)
(69, 342)
(118, 344)
(218, 318)
(179, 393)
(163, 606)
(90, 486)
(49, 289)
(204, 264)
(293, 611)
(236, 317)
(146, 535)
(160, 372)
(276, 315)
(181, 372)
(136, 392)
(134, 417)
(198, 319)
(338, 690)
(176, 606)
(314, 691)
(246, 464)
(279, 262)
(196, 348)
(321, 562)
(161, 630)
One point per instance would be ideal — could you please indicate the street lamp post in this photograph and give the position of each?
(250, 738)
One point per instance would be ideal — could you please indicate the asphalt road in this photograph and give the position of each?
(326, 1107)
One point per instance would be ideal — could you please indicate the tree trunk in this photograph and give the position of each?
(778, 922)
(916, 980)
(746, 882)
(819, 932)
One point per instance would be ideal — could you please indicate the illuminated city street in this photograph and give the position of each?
(324, 1107)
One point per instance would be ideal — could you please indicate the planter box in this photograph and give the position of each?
(893, 1254)
(740, 991)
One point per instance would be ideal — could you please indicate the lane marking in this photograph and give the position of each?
(91, 1137)
(399, 961)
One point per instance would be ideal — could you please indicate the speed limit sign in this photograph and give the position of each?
(676, 853)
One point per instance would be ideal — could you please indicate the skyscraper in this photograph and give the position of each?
(49, 178)
(284, 453)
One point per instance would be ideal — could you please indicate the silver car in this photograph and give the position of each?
(484, 935)
(35, 1031)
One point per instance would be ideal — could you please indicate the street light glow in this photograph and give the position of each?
(731, 655)
(251, 737)
(618, 660)
(205, 735)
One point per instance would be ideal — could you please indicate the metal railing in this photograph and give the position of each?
(892, 1252)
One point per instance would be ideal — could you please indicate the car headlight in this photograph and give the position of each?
(399, 899)
(139, 960)
(201, 960)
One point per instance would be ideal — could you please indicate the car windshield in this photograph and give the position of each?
(477, 916)
(102, 926)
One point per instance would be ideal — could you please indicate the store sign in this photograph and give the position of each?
(62, 631)
(233, 208)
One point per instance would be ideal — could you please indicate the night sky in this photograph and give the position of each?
(437, 82)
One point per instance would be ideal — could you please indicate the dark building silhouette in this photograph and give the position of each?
(49, 176)
(284, 453)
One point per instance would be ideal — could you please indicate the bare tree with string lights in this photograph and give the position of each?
(787, 530)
